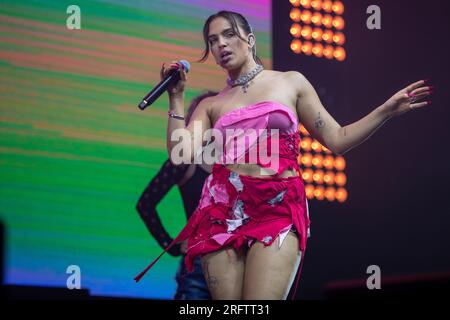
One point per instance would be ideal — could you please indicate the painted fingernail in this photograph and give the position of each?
(427, 80)
(430, 87)
(429, 102)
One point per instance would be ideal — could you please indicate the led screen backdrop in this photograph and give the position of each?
(76, 152)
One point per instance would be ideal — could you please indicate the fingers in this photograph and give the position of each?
(421, 90)
(419, 94)
(174, 65)
(183, 74)
(420, 105)
(161, 72)
(415, 85)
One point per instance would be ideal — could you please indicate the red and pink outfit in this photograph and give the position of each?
(237, 210)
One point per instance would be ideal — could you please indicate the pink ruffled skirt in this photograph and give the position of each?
(236, 210)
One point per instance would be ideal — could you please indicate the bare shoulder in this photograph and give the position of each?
(273, 75)
(203, 111)
(291, 79)
(295, 77)
(205, 104)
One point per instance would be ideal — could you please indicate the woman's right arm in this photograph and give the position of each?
(179, 137)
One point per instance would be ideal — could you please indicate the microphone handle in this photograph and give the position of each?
(159, 89)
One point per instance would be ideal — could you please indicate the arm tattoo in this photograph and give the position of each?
(319, 122)
(345, 131)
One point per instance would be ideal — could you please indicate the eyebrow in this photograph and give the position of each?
(224, 31)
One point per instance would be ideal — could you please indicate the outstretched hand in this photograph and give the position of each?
(408, 99)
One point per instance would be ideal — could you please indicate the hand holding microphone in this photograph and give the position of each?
(173, 79)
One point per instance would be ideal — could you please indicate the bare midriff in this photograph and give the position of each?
(257, 171)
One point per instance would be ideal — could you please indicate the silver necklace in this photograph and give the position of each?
(245, 79)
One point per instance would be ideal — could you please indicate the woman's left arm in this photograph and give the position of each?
(324, 128)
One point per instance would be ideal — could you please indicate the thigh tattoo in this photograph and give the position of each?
(210, 280)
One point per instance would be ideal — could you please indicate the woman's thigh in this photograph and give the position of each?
(224, 273)
(270, 271)
(191, 285)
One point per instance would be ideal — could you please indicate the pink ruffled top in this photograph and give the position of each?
(249, 130)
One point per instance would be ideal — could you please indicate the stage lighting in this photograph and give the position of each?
(295, 30)
(305, 144)
(319, 192)
(328, 162)
(326, 150)
(295, 14)
(309, 191)
(320, 167)
(318, 176)
(307, 175)
(339, 54)
(305, 3)
(306, 32)
(327, 21)
(327, 36)
(316, 4)
(317, 161)
(339, 163)
(317, 34)
(316, 146)
(341, 195)
(338, 7)
(316, 19)
(296, 46)
(339, 38)
(318, 50)
(303, 130)
(328, 178)
(306, 159)
(328, 52)
(330, 194)
(340, 179)
(305, 16)
(307, 48)
(327, 6)
(338, 23)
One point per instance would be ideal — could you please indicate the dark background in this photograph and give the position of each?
(397, 215)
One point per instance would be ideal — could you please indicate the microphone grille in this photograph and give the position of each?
(186, 65)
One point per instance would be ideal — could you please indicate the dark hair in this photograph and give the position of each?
(195, 102)
(234, 19)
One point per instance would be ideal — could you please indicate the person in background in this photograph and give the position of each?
(189, 179)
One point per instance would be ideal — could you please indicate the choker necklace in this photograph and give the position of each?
(245, 79)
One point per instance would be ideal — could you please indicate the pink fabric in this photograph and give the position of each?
(266, 208)
(208, 229)
(261, 118)
(279, 120)
(255, 116)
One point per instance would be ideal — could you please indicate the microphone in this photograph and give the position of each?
(171, 78)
